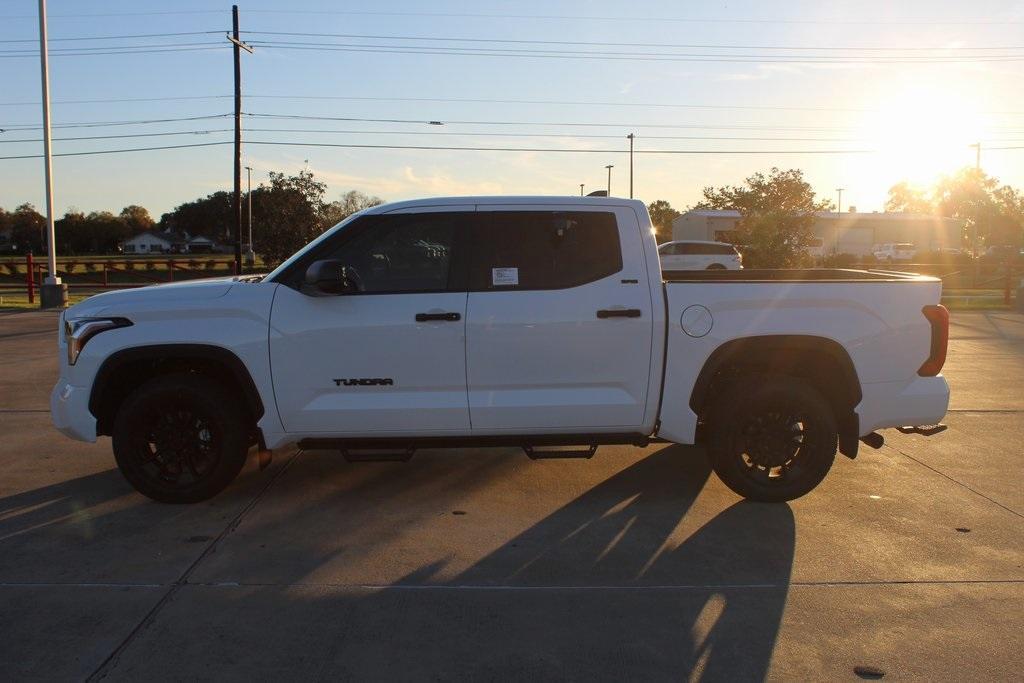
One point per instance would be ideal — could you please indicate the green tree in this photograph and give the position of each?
(287, 215)
(211, 216)
(137, 219)
(777, 213)
(27, 227)
(994, 211)
(662, 215)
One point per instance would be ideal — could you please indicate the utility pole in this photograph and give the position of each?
(238, 47)
(610, 167)
(250, 255)
(581, 189)
(631, 137)
(839, 215)
(54, 293)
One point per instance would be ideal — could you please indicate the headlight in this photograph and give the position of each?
(80, 330)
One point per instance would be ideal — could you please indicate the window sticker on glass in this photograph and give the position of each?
(504, 277)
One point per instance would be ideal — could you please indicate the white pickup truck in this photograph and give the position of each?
(540, 322)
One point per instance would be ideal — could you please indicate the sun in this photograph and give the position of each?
(922, 133)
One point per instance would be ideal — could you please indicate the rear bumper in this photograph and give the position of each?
(69, 410)
(922, 401)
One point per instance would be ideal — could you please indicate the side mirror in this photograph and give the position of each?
(331, 276)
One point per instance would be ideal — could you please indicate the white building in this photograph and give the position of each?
(835, 233)
(148, 243)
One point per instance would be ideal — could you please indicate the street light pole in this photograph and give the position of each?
(250, 255)
(839, 207)
(610, 167)
(631, 137)
(54, 293)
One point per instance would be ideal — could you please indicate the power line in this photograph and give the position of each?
(104, 124)
(689, 20)
(477, 149)
(121, 137)
(642, 57)
(479, 100)
(120, 37)
(614, 44)
(212, 46)
(66, 50)
(119, 151)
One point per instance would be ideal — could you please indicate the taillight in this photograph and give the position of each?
(938, 317)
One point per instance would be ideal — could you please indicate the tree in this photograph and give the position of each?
(662, 215)
(137, 219)
(906, 198)
(287, 214)
(777, 213)
(351, 202)
(994, 212)
(27, 226)
(211, 216)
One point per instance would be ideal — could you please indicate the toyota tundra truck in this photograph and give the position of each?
(544, 323)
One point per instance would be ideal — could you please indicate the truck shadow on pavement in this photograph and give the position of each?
(620, 583)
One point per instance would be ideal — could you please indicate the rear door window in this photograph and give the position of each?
(524, 250)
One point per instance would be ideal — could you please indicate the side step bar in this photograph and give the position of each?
(559, 452)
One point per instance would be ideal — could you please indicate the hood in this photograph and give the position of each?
(142, 297)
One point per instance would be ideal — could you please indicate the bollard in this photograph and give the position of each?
(29, 278)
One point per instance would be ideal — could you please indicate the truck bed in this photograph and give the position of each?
(792, 275)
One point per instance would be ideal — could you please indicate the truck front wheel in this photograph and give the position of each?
(180, 438)
(771, 439)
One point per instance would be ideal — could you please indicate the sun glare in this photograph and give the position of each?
(923, 134)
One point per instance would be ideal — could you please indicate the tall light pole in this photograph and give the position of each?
(839, 206)
(610, 167)
(54, 293)
(250, 255)
(581, 189)
(631, 137)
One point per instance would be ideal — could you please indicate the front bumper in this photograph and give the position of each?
(922, 401)
(69, 410)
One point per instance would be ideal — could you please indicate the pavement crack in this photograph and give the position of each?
(956, 481)
(111, 660)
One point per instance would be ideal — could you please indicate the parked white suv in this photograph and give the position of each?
(696, 255)
(539, 322)
(894, 251)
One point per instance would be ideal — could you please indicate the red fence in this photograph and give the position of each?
(98, 272)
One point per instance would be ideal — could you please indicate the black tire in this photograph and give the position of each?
(771, 439)
(715, 266)
(180, 438)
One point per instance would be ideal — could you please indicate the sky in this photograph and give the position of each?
(859, 95)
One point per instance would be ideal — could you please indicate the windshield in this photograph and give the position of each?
(326, 233)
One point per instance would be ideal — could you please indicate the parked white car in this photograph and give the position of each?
(539, 322)
(696, 255)
(894, 251)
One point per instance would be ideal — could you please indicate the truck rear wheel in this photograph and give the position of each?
(180, 438)
(771, 439)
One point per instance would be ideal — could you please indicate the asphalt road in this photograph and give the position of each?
(635, 565)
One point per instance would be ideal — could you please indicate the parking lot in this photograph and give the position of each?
(637, 564)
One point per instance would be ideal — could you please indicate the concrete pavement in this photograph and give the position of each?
(483, 564)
